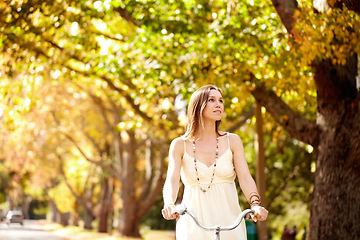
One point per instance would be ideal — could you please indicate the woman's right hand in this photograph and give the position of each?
(260, 213)
(169, 212)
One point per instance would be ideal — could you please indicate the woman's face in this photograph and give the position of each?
(214, 107)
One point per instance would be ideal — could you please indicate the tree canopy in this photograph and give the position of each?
(93, 91)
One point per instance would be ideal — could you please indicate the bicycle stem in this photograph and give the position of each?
(181, 210)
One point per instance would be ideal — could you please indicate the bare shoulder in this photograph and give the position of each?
(177, 146)
(235, 142)
(234, 138)
(179, 141)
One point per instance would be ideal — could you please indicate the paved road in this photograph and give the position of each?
(29, 231)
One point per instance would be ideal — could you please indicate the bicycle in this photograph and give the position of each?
(181, 210)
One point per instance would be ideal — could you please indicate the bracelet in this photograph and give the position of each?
(256, 202)
(255, 205)
(256, 199)
(169, 204)
(254, 194)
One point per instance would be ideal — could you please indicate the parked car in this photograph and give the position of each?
(15, 216)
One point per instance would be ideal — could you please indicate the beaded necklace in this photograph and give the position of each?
(195, 164)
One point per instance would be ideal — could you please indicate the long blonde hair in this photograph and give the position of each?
(195, 110)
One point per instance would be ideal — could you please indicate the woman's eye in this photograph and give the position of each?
(211, 100)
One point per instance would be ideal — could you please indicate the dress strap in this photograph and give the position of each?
(228, 137)
(184, 146)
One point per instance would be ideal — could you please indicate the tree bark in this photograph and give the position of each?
(353, 5)
(64, 218)
(54, 211)
(26, 205)
(129, 223)
(75, 215)
(335, 208)
(88, 218)
(337, 132)
(106, 205)
(285, 9)
(260, 168)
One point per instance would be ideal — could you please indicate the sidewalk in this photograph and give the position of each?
(77, 233)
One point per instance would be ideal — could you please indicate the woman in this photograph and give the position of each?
(208, 161)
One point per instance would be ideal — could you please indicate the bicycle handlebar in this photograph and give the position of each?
(181, 210)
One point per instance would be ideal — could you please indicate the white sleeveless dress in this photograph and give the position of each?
(219, 205)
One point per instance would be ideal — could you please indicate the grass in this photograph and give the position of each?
(78, 233)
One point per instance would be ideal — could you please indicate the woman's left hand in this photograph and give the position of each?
(260, 213)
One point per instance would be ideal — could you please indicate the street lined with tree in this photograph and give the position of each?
(93, 92)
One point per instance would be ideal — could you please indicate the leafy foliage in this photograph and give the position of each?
(76, 76)
(318, 35)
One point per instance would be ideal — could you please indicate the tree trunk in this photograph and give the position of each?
(335, 204)
(111, 212)
(75, 215)
(106, 204)
(260, 168)
(285, 9)
(64, 218)
(336, 142)
(26, 205)
(129, 224)
(54, 211)
(88, 218)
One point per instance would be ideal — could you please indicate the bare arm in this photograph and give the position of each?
(246, 181)
(171, 186)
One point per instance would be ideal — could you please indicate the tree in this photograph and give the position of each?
(57, 59)
(335, 133)
(133, 101)
(324, 47)
(138, 59)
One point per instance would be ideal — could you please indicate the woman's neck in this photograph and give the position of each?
(207, 131)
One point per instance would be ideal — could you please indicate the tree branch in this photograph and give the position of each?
(98, 163)
(296, 125)
(353, 5)
(291, 177)
(96, 32)
(112, 171)
(244, 116)
(157, 182)
(122, 92)
(77, 197)
(29, 45)
(286, 9)
(127, 16)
